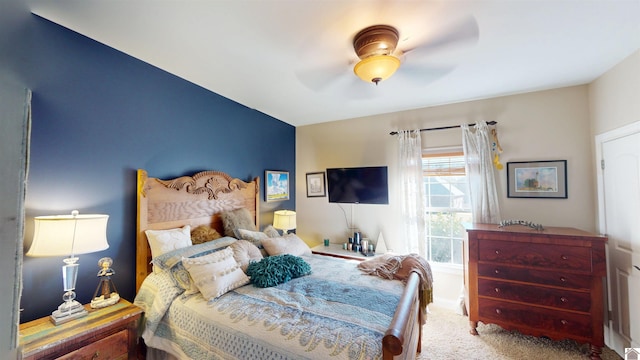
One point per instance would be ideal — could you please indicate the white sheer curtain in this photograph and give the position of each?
(412, 188)
(479, 169)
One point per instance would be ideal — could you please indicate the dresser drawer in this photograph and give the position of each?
(112, 347)
(554, 278)
(558, 298)
(537, 318)
(544, 256)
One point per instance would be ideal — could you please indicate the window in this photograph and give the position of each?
(448, 205)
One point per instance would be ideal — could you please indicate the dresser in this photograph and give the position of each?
(106, 333)
(336, 250)
(541, 283)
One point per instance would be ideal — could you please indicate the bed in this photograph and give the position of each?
(335, 312)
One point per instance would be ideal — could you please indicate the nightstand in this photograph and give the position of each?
(336, 250)
(106, 333)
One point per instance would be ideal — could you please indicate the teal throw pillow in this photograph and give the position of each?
(278, 269)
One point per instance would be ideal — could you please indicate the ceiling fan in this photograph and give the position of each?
(376, 48)
(381, 54)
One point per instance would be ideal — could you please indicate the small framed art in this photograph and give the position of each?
(277, 185)
(316, 185)
(537, 179)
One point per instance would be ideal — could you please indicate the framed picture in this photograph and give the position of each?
(277, 185)
(316, 186)
(537, 179)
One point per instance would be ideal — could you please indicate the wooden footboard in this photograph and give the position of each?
(403, 338)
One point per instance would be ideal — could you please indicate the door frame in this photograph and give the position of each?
(600, 139)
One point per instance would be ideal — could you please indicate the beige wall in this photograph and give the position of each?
(614, 98)
(546, 125)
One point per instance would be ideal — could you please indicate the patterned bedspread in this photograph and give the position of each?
(337, 312)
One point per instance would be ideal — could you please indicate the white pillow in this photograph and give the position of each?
(215, 274)
(254, 237)
(164, 241)
(245, 252)
(287, 244)
(270, 231)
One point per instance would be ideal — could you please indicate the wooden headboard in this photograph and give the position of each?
(188, 200)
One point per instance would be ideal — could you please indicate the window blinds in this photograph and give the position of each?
(447, 164)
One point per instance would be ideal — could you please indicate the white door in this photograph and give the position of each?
(619, 209)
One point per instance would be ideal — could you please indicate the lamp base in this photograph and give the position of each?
(68, 311)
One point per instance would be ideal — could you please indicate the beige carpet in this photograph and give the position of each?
(446, 336)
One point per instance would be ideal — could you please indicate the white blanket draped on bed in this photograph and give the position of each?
(337, 312)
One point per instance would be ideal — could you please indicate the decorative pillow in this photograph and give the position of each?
(287, 244)
(275, 270)
(270, 231)
(255, 237)
(245, 252)
(215, 274)
(164, 241)
(204, 233)
(170, 259)
(237, 219)
(171, 262)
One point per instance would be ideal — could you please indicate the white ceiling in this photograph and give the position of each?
(293, 59)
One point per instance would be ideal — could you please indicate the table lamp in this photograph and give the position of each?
(284, 220)
(69, 235)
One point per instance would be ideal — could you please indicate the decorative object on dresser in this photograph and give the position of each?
(338, 251)
(106, 333)
(276, 185)
(534, 226)
(537, 179)
(106, 293)
(69, 235)
(284, 220)
(381, 245)
(542, 283)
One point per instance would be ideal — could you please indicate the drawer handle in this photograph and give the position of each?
(564, 299)
(564, 322)
(96, 355)
(497, 290)
(498, 311)
(497, 271)
(564, 257)
(563, 279)
(497, 252)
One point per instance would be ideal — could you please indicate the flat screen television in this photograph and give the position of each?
(358, 185)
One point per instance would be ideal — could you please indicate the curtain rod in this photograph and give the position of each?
(446, 127)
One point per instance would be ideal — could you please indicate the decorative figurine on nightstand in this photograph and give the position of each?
(106, 293)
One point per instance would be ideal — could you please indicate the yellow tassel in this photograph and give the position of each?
(496, 162)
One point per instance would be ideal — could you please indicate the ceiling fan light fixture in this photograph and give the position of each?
(376, 68)
(375, 40)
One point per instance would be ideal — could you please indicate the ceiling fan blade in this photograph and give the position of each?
(319, 78)
(421, 74)
(464, 32)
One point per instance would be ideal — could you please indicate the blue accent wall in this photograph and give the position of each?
(98, 115)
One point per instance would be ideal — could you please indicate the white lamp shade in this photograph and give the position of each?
(284, 219)
(64, 235)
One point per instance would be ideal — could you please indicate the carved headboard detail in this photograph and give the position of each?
(188, 200)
